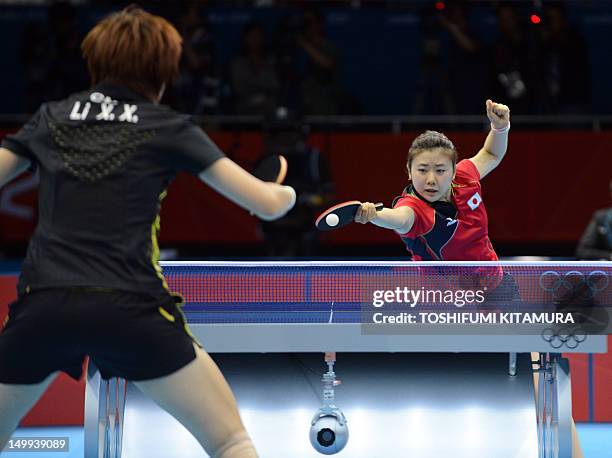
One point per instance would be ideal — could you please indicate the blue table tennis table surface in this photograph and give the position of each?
(320, 306)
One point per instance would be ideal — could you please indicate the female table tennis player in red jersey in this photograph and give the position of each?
(91, 284)
(441, 214)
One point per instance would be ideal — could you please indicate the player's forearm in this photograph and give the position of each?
(11, 166)
(399, 219)
(497, 143)
(282, 201)
(266, 200)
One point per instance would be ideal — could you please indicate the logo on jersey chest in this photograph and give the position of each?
(450, 221)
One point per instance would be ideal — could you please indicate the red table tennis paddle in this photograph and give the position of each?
(272, 168)
(340, 215)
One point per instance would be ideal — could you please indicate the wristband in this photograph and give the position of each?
(502, 130)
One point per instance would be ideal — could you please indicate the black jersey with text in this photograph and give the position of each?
(106, 157)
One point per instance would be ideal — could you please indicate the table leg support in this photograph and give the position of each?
(554, 407)
(512, 364)
(104, 415)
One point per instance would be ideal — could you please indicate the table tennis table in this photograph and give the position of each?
(268, 324)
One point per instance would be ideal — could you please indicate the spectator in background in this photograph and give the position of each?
(36, 59)
(309, 174)
(514, 58)
(287, 68)
(53, 66)
(596, 242)
(198, 88)
(67, 73)
(433, 95)
(253, 75)
(321, 88)
(465, 61)
(566, 63)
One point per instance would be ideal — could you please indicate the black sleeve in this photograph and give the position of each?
(190, 149)
(590, 245)
(21, 142)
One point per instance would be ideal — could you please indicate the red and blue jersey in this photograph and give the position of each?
(459, 235)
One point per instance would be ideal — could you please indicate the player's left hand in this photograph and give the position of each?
(498, 114)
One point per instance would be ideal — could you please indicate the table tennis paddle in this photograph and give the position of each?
(340, 215)
(272, 168)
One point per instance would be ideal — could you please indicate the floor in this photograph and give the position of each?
(392, 412)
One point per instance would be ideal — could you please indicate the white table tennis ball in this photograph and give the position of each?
(332, 219)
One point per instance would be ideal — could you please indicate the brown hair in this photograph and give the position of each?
(133, 48)
(430, 139)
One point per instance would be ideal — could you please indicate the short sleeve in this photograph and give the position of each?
(190, 149)
(21, 142)
(466, 172)
(423, 215)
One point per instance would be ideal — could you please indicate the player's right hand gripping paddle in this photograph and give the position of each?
(272, 168)
(340, 215)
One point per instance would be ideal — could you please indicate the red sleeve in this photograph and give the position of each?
(423, 215)
(466, 172)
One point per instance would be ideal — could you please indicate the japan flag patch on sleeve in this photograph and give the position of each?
(474, 201)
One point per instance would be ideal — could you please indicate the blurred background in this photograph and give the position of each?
(342, 88)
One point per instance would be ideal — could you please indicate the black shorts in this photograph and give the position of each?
(128, 335)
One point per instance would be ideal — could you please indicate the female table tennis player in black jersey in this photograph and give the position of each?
(90, 283)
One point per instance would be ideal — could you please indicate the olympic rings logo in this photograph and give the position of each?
(566, 288)
(574, 284)
(571, 338)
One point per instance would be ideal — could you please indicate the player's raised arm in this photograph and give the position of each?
(399, 219)
(494, 148)
(266, 200)
(11, 165)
